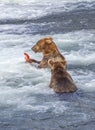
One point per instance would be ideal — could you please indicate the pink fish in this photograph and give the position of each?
(27, 57)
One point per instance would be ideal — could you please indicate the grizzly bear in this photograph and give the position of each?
(61, 81)
(49, 50)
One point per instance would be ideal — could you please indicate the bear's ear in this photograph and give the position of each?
(50, 62)
(49, 40)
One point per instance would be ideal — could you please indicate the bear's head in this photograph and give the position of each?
(53, 64)
(45, 45)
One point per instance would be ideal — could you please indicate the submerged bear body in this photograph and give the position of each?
(61, 81)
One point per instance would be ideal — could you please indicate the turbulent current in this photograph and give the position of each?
(26, 101)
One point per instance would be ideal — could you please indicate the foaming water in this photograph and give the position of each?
(26, 100)
(19, 77)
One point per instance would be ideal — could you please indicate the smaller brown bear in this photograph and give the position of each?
(61, 80)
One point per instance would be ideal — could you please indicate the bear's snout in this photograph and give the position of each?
(35, 48)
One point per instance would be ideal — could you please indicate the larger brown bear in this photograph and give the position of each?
(61, 80)
(49, 50)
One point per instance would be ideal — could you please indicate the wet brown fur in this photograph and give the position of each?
(61, 81)
(49, 50)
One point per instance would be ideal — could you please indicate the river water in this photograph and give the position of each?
(26, 101)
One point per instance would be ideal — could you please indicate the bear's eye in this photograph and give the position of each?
(39, 45)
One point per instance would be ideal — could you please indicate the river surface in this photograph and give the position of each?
(26, 101)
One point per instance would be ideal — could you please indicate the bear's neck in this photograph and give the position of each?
(58, 70)
(49, 52)
(50, 55)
